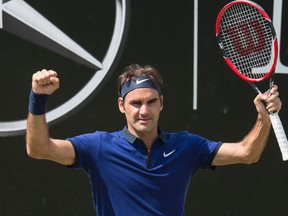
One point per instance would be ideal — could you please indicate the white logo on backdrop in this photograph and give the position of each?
(47, 35)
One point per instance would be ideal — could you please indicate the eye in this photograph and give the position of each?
(135, 103)
(151, 102)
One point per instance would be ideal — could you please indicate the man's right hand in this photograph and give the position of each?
(45, 82)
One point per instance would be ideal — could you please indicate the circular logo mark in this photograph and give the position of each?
(54, 39)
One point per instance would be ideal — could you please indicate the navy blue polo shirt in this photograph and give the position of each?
(126, 180)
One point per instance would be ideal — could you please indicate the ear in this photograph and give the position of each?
(161, 100)
(121, 104)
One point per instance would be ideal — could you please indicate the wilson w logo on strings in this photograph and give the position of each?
(247, 38)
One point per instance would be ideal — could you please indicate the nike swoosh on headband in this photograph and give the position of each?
(141, 81)
(138, 82)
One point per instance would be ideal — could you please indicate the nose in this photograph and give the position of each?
(143, 110)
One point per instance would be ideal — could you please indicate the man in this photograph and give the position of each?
(140, 170)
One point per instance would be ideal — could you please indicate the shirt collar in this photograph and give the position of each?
(131, 138)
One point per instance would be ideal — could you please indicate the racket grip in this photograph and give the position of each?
(280, 135)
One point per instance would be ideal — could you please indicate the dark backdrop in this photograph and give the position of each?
(161, 34)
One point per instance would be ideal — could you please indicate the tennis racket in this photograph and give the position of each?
(248, 42)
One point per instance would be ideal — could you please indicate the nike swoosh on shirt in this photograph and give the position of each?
(141, 81)
(168, 154)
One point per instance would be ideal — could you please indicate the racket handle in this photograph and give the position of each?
(280, 135)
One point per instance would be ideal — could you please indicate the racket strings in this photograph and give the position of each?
(246, 38)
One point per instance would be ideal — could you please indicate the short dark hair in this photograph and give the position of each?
(136, 70)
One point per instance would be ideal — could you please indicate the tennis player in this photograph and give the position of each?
(141, 169)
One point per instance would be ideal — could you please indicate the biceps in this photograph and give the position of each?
(61, 151)
(229, 153)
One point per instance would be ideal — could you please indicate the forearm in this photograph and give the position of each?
(37, 136)
(251, 147)
(255, 142)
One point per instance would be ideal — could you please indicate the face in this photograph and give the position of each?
(142, 108)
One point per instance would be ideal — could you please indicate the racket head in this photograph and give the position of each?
(247, 39)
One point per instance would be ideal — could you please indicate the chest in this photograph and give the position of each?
(127, 165)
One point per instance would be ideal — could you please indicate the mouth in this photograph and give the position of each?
(144, 120)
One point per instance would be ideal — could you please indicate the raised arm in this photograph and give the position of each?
(39, 145)
(251, 147)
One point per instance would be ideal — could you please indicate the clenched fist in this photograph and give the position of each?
(45, 82)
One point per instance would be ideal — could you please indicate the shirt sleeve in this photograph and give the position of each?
(203, 151)
(86, 148)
